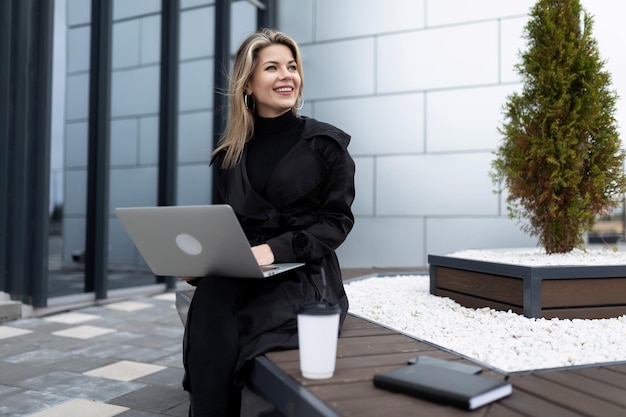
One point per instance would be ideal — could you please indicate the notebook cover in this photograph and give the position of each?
(439, 384)
(454, 365)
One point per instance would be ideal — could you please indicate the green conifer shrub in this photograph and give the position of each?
(560, 158)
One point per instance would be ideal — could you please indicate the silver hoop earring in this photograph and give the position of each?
(245, 101)
(301, 105)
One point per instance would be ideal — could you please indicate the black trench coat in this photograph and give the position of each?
(304, 216)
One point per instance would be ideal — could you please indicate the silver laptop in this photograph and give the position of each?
(194, 241)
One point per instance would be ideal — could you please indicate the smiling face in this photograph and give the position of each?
(275, 83)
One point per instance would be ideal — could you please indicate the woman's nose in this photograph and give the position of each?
(285, 74)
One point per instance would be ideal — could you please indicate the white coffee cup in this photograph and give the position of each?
(318, 330)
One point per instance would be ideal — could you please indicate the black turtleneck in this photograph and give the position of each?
(272, 139)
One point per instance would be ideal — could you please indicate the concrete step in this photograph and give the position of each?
(10, 310)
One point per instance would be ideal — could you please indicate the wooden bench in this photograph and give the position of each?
(365, 349)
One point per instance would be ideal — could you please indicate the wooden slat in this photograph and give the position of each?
(477, 302)
(499, 410)
(566, 397)
(379, 331)
(600, 389)
(341, 376)
(379, 345)
(343, 392)
(398, 405)
(387, 359)
(353, 326)
(533, 406)
(583, 292)
(383, 358)
(607, 375)
(493, 287)
(584, 312)
(617, 368)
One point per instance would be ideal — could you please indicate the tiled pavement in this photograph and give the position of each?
(120, 359)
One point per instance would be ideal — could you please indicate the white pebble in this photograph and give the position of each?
(501, 339)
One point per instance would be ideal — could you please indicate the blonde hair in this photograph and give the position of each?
(240, 120)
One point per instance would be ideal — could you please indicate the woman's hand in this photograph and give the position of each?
(263, 254)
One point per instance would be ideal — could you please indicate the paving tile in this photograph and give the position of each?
(175, 347)
(172, 332)
(72, 318)
(181, 410)
(141, 354)
(125, 370)
(9, 349)
(74, 385)
(98, 310)
(123, 351)
(168, 296)
(118, 322)
(30, 323)
(9, 331)
(169, 377)
(128, 306)
(135, 413)
(82, 407)
(123, 336)
(84, 332)
(65, 344)
(38, 337)
(106, 350)
(6, 389)
(12, 373)
(136, 321)
(172, 361)
(141, 327)
(24, 403)
(79, 363)
(166, 328)
(156, 341)
(39, 357)
(153, 399)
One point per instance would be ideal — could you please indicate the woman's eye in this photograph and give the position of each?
(270, 68)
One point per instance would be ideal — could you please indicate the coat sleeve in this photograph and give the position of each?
(334, 218)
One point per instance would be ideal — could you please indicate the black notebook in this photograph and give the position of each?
(454, 365)
(439, 384)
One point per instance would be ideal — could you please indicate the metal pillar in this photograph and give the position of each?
(40, 183)
(25, 94)
(168, 106)
(168, 109)
(220, 76)
(266, 15)
(96, 237)
(5, 114)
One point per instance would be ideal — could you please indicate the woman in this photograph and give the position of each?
(290, 180)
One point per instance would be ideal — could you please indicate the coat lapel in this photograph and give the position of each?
(297, 174)
(237, 191)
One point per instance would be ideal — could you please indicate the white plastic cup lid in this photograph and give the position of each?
(319, 308)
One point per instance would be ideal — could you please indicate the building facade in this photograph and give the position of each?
(419, 84)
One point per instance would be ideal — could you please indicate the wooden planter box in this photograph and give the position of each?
(534, 291)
